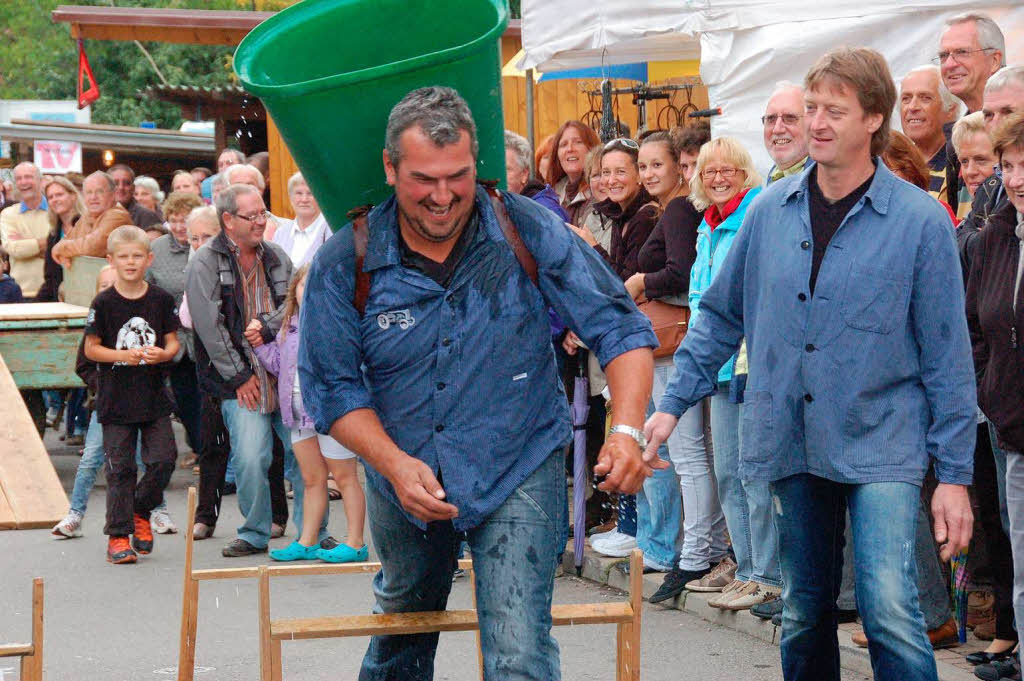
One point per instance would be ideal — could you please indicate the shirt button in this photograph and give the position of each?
(440, 386)
(807, 398)
(809, 347)
(446, 342)
(438, 428)
(805, 245)
(801, 297)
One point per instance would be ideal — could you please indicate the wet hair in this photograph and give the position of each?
(440, 112)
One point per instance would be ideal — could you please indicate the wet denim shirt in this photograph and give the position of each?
(867, 379)
(464, 377)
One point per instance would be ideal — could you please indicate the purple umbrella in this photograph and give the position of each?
(580, 412)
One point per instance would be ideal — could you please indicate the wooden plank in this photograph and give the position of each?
(16, 649)
(568, 614)
(27, 478)
(42, 358)
(23, 311)
(35, 669)
(189, 599)
(297, 570)
(266, 673)
(7, 519)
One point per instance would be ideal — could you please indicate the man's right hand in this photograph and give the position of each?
(419, 491)
(249, 394)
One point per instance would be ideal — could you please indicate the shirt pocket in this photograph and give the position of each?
(756, 427)
(874, 301)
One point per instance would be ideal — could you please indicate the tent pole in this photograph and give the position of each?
(531, 133)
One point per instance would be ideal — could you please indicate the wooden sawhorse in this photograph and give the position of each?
(31, 654)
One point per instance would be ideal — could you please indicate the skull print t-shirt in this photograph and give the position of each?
(132, 394)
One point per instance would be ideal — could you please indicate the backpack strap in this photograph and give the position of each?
(511, 232)
(361, 234)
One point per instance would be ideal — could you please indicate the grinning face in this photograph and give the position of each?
(247, 225)
(572, 152)
(176, 225)
(977, 160)
(839, 130)
(722, 179)
(921, 113)
(1012, 165)
(28, 182)
(621, 177)
(435, 186)
(125, 184)
(785, 135)
(967, 67)
(659, 171)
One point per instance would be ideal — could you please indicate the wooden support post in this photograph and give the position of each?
(266, 672)
(636, 600)
(275, 660)
(32, 665)
(189, 600)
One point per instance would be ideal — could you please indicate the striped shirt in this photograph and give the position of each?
(937, 174)
(258, 301)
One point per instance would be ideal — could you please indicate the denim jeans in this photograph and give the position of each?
(747, 505)
(704, 527)
(92, 461)
(1015, 505)
(810, 514)
(252, 447)
(658, 509)
(515, 552)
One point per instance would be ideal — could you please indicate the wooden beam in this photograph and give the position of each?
(162, 34)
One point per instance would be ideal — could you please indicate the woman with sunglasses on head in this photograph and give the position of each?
(566, 167)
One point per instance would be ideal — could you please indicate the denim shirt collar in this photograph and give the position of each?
(878, 193)
(382, 249)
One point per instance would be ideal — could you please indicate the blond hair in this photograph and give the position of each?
(729, 150)
(77, 210)
(105, 268)
(967, 127)
(206, 214)
(127, 234)
(291, 300)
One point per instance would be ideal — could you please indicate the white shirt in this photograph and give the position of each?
(303, 242)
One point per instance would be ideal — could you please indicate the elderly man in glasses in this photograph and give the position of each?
(236, 289)
(785, 137)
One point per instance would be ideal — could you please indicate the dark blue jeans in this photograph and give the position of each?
(515, 552)
(810, 514)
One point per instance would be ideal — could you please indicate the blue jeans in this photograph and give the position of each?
(658, 509)
(92, 461)
(747, 504)
(810, 515)
(515, 552)
(252, 447)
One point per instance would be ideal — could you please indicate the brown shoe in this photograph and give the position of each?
(943, 636)
(721, 576)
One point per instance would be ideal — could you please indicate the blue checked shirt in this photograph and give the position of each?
(463, 378)
(866, 379)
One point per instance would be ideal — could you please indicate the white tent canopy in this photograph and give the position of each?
(746, 46)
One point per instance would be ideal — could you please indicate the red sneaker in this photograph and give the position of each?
(119, 551)
(142, 538)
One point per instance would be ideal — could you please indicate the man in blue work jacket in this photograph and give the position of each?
(846, 283)
(462, 418)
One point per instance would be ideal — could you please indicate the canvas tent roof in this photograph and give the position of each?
(746, 46)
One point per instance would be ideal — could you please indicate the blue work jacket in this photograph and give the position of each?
(866, 379)
(462, 378)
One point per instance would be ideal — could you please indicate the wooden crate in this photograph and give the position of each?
(39, 343)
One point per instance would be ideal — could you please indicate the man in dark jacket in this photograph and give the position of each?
(236, 286)
(124, 178)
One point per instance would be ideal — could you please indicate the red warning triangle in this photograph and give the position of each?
(86, 97)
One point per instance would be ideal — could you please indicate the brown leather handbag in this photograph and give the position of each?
(670, 323)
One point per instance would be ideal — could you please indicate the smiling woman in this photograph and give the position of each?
(568, 157)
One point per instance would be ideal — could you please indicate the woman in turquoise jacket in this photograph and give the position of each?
(724, 184)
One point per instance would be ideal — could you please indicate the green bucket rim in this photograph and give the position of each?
(283, 20)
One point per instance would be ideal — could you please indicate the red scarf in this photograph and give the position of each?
(714, 217)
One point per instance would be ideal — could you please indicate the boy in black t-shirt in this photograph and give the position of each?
(132, 328)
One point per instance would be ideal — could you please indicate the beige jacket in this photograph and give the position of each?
(89, 235)
(26, 257)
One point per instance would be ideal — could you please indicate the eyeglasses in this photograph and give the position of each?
(727, 173)
(770, 120)
(958, 55)
(262, 216)
(624, 141)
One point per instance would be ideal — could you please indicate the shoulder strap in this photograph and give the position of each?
(511, 232)
(360, 233)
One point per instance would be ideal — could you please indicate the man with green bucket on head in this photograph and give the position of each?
(444, 382)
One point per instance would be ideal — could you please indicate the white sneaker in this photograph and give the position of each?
(70, 527)
(161, 522)
(615, 545)
(598, 535)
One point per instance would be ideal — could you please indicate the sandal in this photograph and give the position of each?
(333, 494)
(343, 553)
(296, 551)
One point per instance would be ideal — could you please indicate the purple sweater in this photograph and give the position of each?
(282, 361)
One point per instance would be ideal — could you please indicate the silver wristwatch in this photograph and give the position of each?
(634, 433)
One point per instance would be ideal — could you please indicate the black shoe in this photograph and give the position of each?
(768, 609)
(229, 488)
(624, 569)
(777, 619)
(329, 543)
(988, 658)
(675, 582)
(846, 616)
(239, 548)
(996, 671)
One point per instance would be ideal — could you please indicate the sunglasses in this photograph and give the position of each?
(622, 141)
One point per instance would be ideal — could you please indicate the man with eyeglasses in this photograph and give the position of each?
(784, 135)
(104, 215)
(236, 288)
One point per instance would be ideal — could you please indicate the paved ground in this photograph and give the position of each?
(121, 623)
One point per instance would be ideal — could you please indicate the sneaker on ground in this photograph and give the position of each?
(753, 594)
(142, 538)
(675, 583)
(722, 575)
(458, 574)
(728, 593)
(1004, 670)
(597, 536)
(119, 551)
(70, 527)
(161, 521)
(615, 545)
(240, 547)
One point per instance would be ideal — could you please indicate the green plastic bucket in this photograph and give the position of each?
(329, 72)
